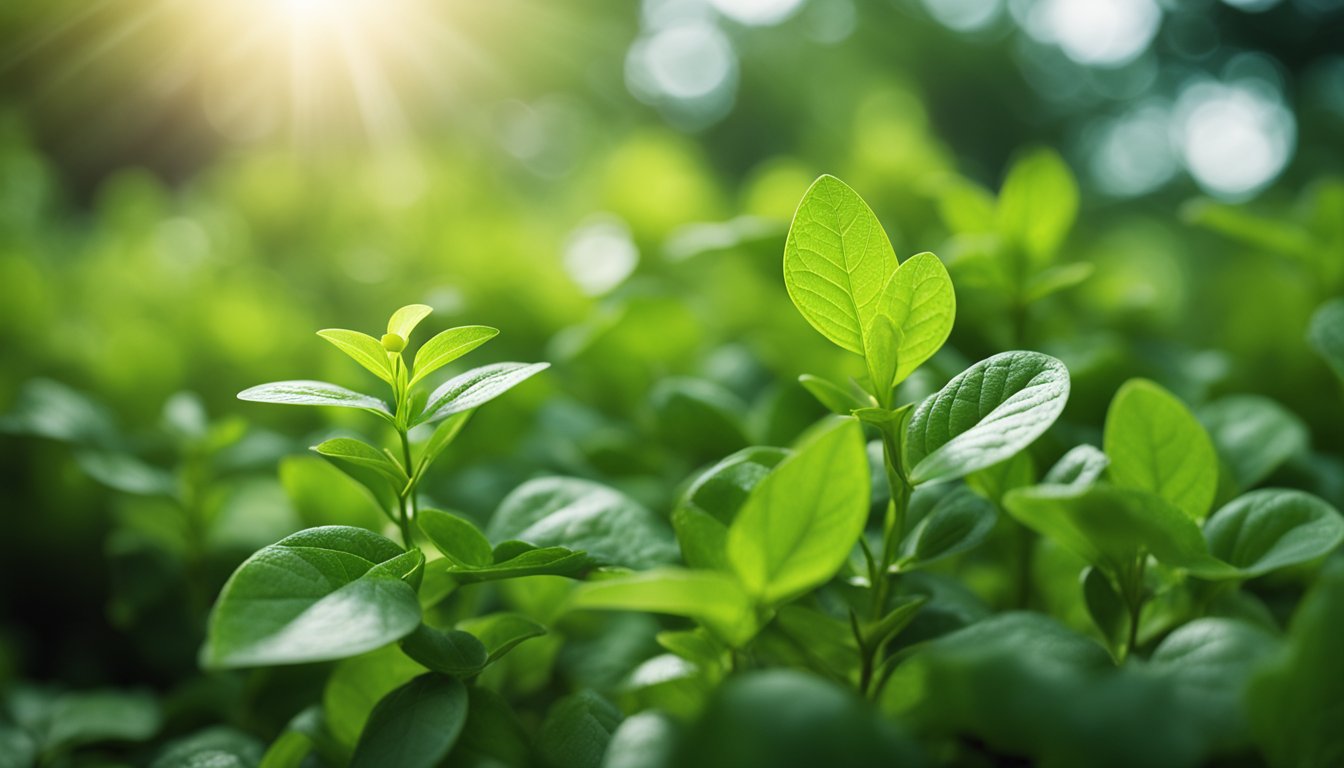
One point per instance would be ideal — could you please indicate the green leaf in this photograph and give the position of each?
(501, 632)
(414, 726)
(88, 717)
(582, 515)
(576, 731)
(322, 495)
(320, 594)
(404, 320)
(124, 472)
(1082, 465)
(476, 388)
(457, 538)
(363, 349)
(714, 599)
(1155, 444)
(357, 685)
(923, 307)
(712, 500)
(312, 393)
(215, 747)
(442, 437)
(837, 263)
(448, 346)
(698, 417)
(1038, 204)
(801, 521)
(1326, 334)
(648, 739)
(1056, 279)
(1107, 609)
(837, 399)
(994, 481)
(957, 523)
(493, 735)
(1254, 435)
(452, 652)
(1110, 527)
(985, 414)
(347, 451)
(964, 206)
(513, 562)
(1269, 529)
(1294, 701)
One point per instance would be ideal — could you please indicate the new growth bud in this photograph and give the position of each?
(393, 343)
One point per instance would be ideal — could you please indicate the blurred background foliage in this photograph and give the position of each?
(188, 190)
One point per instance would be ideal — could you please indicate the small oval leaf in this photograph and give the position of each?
(1273, 528)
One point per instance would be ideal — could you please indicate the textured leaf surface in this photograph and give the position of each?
(801, 521)
(445, 347)
(986, 414)
(837, 261)
(714, 599)
(476, 388)
(414, 726)
(958, 522)
(1155, 444)
(311, 393)
(1273, 528)
(320, 594)
(923, 308)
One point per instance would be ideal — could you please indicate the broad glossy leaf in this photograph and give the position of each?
(476, 388)
(712, 500)
(1294, 700)
(1326, 334)
(320, 594)
(957, 523)
(1254, 435)
(837, 262)
(312, 393)
(582, 515)
(714, 599)
(363, 349)
(448, 346)
(451, 652)
(493, 735)
(1038, 204)
(986, 414)
(923, 307)
(414, 726)
(346, 451)
(457, 538)
(404, 320)
(837, 399)
(1109, 527)
(801, 521)
(1155, 444)
(357, 685)
(1082, 465)
(501, 632)
(1270, 529)
(576, 731)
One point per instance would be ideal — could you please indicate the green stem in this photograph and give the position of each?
(1135, 602)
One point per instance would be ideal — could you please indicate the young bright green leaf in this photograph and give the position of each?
(501, 632)
(1254, 435)
(450, 652)
(985, 414)
(714, 599)
(1326, 334)
(447, 346)
(837, 263)
(320, 594)
(516, 559)
(414, 726)
(312, 393)
(443, 436)
(349, 451)
(457, 538)
(1274, 528)
(582, 515)
(1293, 701)
(1082, 465)
(363, 349)
(958, 522)
(923, 307)
(837, 399)
(882, 345)
(1037, 204)
(712, 500)
(1110, 527)
(476, 388)
(1155, 444)
(356, 686)
(404, 320)
(801, 521)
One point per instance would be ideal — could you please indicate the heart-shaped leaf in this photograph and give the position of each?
(984, 415)
(1270, 529)
(320, 594)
